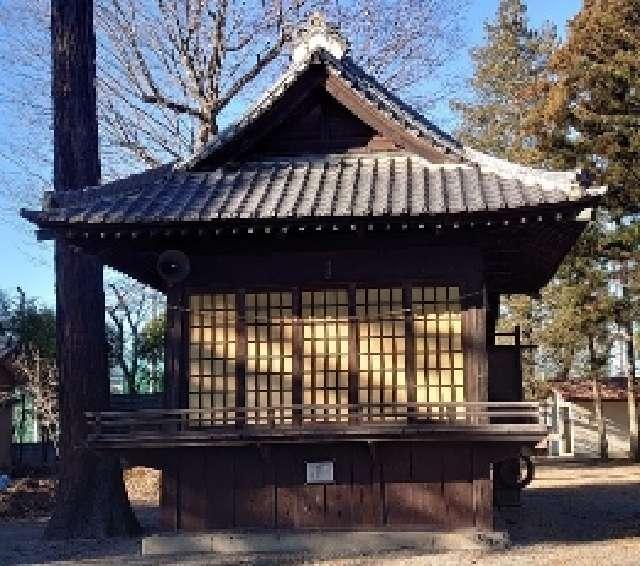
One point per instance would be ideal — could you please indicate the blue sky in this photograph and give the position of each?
(26, 263)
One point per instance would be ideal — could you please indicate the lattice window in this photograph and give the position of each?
(269, 373)
(212, 354)
(326, 353)
(437, 324)
(381, 346)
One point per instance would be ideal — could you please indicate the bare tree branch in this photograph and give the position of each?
(171, 72)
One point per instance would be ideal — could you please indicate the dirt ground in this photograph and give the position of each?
(582, 515)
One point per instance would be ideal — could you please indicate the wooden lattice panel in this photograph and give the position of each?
(269, 374)
(326, 352)
(212, 354)
(381, 346)
(437, 328)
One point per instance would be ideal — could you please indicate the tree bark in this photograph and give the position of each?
(91, 501)
(634, 450)
(597, 402)
(600, 422)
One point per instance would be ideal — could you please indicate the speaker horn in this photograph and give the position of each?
(173, 266)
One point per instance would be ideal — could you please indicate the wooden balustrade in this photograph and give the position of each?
(171, 426)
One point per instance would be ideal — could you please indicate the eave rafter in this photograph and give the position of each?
(434, 224)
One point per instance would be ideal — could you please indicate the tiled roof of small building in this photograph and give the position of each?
(316, 186)
(303, 187)
(611, 389)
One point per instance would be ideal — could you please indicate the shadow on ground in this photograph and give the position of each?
(551, 514)
(22, 542)
(580, 513)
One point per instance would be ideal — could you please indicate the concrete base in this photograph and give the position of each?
(330, 543)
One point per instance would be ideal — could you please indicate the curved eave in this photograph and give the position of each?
(568, 209)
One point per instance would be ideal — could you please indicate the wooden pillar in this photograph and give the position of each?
(241, 358)
(474, 343)
(169, 494)
(493, 313)
(297, 394)
(410, 356)
(176, 391)
(518, 347)
(353, 354)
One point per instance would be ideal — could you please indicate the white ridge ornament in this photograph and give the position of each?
(317, 33)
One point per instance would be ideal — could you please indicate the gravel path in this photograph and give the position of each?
(576, 515)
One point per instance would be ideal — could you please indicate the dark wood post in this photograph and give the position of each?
(241, 359)
(91, 500)
(176, 395)
(355, 416)
(297, 394)
(474, 343)
(410, 355)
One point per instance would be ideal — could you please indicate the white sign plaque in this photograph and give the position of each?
(319, 472)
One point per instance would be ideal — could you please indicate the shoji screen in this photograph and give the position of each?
(326, 353)
(381, 346)
(437, 326)
(269, 373)
(212, 353)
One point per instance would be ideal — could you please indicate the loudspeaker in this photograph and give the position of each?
(173, 266)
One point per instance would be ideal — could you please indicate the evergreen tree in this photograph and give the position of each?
(506, 70)
(587, 115)
(569, 322)
(588, 107)
(577, 310)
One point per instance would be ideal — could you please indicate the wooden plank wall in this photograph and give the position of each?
(175, 344)
(432, 486)
(474, 345)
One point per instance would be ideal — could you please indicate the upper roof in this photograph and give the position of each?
(423, 172)
(359, 82)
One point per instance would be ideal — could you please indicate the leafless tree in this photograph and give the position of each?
(130, 308)
(171, 72)
(37, 377)
(25, 106)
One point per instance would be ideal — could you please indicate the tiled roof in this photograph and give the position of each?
(302, 187)
(611, 389)
(361, 82)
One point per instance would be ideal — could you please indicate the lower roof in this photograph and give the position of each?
(321, 186)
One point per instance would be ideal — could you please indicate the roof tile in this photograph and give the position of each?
(317, 186)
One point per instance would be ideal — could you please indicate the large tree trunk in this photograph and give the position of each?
(91, 501)
(634, 451)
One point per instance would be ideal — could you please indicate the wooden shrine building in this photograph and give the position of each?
(333, 264)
